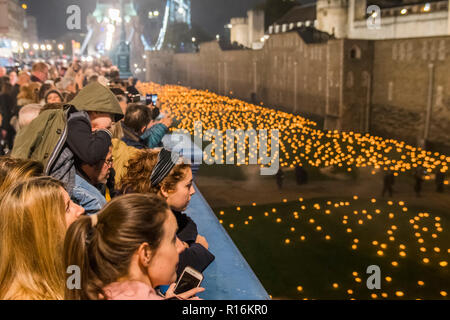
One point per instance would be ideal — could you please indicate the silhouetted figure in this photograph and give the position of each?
(280, 177)
(418, 182)
(388, 183)
(301, 175)
(440, 177)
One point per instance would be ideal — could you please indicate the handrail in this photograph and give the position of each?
(228, 277)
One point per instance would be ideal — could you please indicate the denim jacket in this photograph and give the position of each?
(87, 196)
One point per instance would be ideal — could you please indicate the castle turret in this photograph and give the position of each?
(332, 17)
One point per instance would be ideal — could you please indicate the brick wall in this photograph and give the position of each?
(360, 85)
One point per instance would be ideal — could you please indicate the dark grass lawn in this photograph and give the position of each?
(316, 263)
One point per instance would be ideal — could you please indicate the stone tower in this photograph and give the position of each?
(332, 17)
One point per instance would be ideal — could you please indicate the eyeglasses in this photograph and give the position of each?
(109, 162)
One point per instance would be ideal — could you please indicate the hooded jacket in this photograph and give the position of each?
(95, 97)
(49, 138)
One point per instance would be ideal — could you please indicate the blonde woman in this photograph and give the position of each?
(13, 170)
(33, 221)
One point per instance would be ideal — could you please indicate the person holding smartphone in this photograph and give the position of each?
(125, 251)
(163, 173)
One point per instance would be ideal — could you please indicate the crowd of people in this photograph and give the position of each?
(86, 182)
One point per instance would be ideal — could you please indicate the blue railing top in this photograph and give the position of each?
(228, 277)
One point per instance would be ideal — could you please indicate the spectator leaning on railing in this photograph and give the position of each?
(125, 251)
(156, 172)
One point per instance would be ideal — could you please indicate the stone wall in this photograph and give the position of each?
(411, 78)
(382, 87)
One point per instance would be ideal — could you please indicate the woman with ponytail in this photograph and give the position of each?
(125, 251)
(163, 173)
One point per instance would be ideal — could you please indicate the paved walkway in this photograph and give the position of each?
(222, 192)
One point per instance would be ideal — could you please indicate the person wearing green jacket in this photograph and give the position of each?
(65, 139)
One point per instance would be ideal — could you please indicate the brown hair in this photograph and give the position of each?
(15, 170)
(139, 169)
(103, 252)
(30, 92)
(32, 224)
(40, 67)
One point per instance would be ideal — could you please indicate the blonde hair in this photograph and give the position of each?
(32, 230)
(13, 170)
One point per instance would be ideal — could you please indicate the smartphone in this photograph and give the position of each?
(154, 99)
(190, 279)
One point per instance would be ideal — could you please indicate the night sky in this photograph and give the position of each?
(211, 15)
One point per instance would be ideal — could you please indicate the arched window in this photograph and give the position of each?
(355, 52)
